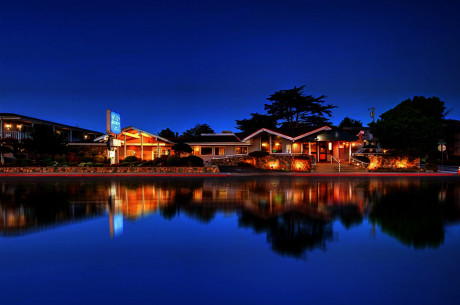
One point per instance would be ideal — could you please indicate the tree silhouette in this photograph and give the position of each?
(296, 109)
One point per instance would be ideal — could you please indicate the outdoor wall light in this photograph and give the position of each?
(8, 126)
(19, 126)
(330, 145)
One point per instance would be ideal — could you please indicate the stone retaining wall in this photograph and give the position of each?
(271, 162)
(106, 170)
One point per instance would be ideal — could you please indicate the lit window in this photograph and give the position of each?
(219, 151)
(241, 150)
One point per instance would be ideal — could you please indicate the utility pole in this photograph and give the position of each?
(372, 114)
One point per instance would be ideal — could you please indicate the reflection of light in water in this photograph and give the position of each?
(117, 224)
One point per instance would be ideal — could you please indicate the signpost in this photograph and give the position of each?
(113, 128)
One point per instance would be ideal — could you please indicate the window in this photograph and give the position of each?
(277, 145)
(219, 151)
(205, 151)
(241, 150)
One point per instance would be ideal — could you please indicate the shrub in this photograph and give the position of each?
(73, 164)
(174, 161)
(259, 154)
(87, 159)
(148, 164)
(24, 162)
(125, 163)
(159, 162)
(244, 164)
(99, 159)
(99, 164)
(86, 164)
(194, 161)
(130, 159)
(182, 148)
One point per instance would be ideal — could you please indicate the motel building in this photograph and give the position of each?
(323, 143)
(135, 142)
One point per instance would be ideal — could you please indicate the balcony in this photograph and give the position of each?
(18, 135)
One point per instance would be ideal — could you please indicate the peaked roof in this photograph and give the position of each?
(332, 135)
(267, 131)
(302, 135)
(146, 133)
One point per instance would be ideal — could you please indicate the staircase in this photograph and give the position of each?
(334, 168)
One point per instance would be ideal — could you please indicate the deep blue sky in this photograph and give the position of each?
(177, 63)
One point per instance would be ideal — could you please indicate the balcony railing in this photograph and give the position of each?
(18, 135)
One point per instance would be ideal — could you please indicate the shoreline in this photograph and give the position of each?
(232, 174)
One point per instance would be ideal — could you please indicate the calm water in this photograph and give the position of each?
(230, 241)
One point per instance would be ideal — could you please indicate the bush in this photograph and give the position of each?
(99, 164)
(259, 154)
(194, 161)
(73, 164)
(125, 163)
(182, 148)
(87, 159)
(99, 159)
(148, 164)
(173, 161)
(130, 159)
(24, 162)
(86, 164)
(244, 164)
(159, 162)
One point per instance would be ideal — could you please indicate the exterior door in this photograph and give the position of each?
(322, 151)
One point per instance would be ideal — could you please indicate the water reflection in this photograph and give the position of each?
(296, 214)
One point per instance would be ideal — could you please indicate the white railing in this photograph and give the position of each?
(18, 135)
(359, 162)
(334, 159)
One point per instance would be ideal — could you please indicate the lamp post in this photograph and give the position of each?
(442, 148)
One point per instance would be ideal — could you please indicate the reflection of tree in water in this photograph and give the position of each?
(183, 203)
(290, 234)
(349, 215)
(413, 214)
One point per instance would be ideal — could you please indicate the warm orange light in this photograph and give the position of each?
(19, 126)
(277, 144)
(353, 144)
(86, 137)
(295, 144)
(330, 145)
(8, 126)
(197, 148)
(264, 144)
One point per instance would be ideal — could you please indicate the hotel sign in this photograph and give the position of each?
(113, 122)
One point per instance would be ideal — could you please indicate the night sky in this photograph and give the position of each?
(178, 63)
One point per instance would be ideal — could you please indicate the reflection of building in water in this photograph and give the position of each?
(294, 213)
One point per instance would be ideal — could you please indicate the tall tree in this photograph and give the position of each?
(350, 123)
(295, 108)
(197, 131)
(414, 126)
(256, 122)
(167, 133)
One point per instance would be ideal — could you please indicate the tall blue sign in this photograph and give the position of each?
(113, 122)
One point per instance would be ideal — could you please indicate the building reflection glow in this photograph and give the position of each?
(292, 212)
